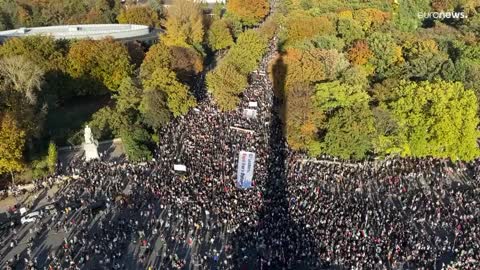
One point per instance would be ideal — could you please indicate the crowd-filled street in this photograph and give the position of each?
(300, 214)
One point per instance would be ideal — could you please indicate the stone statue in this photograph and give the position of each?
(90, 145)
(88, 135)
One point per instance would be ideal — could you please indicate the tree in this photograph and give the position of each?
(371, 18)
(107, 122)
(302, 119)
(333, 95)
(128, 96)
(247, 52)
(179, 100)
(249, 12)
(226, 83)
(385, 142)
(349, 30)
(303, 66)
(440, 5)
(50, 56)
(328, 42)
(144, 15)
(407, 19)
(426, 67)
(359, 53)
(136, 140)
(43, 51)
(57, 12)
(423, 59)
(52, 157)
(19, 74)
(158, 56)
(154, 109)
(387, 53)
(187, 63)
(106, 61)
(356, 76)
(417, 48)
(219, 36)
(313, 65)
(8, 14)
(184, 24)
(333, 63)
(350, 132)
(300, 27)
(12, 141)
(436, 119)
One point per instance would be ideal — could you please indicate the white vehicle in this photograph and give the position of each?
(30, 217)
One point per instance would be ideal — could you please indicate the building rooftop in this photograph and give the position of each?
(81, 31)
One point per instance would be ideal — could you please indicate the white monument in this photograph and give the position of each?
(90, 145)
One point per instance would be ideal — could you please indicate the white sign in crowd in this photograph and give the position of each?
(246, 164)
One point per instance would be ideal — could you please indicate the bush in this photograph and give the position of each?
(136, 141)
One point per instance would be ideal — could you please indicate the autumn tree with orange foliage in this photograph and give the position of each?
(301, 26)
(302, 118)
(302, 66)
(313, 65)
(249, 12)
(359, 53)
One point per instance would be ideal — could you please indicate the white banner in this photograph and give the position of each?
(249, 113)
(252, 104)
(246, 164)
(179, 167)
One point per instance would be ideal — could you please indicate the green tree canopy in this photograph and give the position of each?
(154, 109)
(349, 30)
(226, 83)
(128, 97)
(136, 141)
(219, 35)
(52, 157)
(436, 119)
(386, 53)
(350, 132)
(158, 56)
(333, 95)
(179, 99)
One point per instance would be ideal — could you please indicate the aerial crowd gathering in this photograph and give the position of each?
(300, 214)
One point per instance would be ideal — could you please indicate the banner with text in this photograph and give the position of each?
(246, 164)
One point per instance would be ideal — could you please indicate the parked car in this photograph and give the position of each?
(30, 217)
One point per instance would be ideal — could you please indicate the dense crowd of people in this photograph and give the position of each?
(300, 214)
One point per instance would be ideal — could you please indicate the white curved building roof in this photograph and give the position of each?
(81, 31)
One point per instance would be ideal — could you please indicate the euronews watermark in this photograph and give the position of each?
(442, 15)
